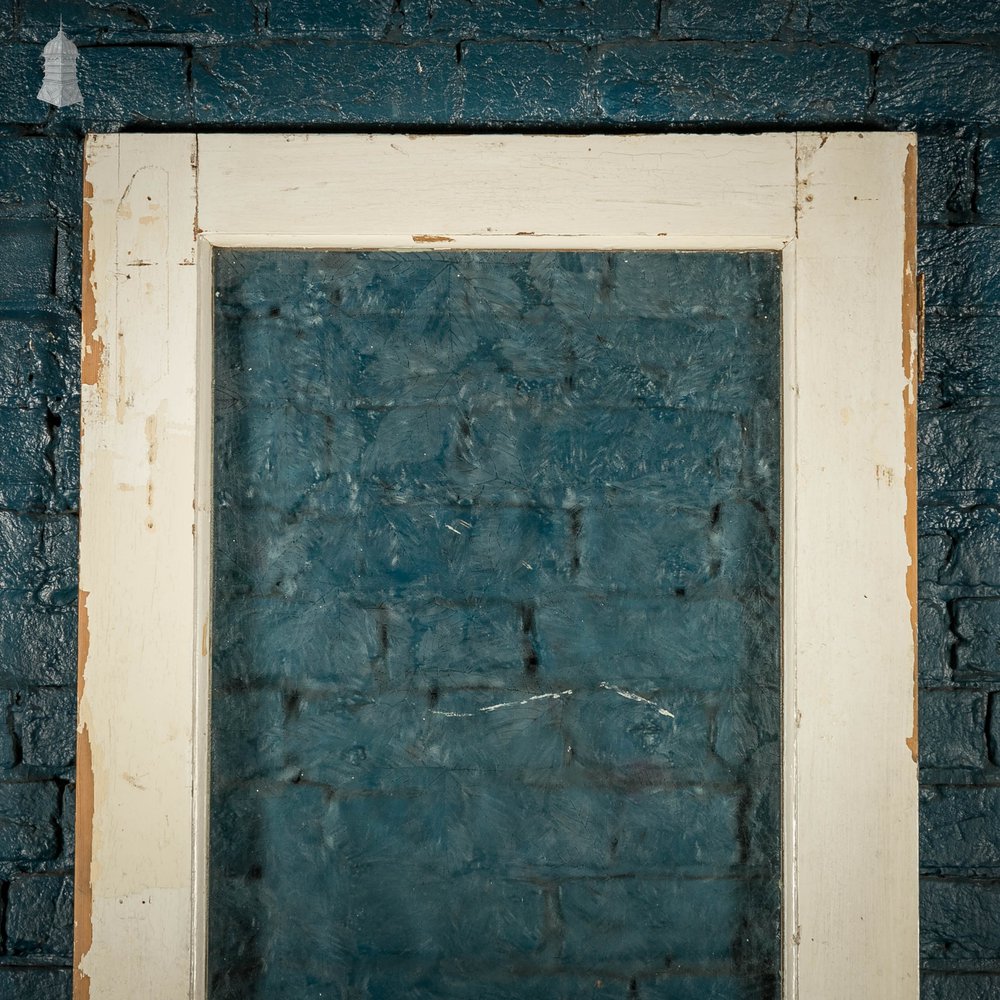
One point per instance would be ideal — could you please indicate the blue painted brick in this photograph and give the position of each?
(316, 18)
(975, 555)
(555, 20)
(977, 624)
(728, 20)
(350, 82)
(945, 180)
(609, 731)
(959, 450)
(717, 986)
(961, 363)
(47, 722)
(953, 730)
(141, 20)
(255, 747)
(959, 920)
(988, 191)
(40, 916)
(930, 84)
(690, 920)
(935, 641)
(36, 984)
(37, 643)
(443, 643)
(26, 480)
(712, 82)
(35, 357)
(270, 639)
(933, 554)
(20, 78)
(963, 986)
(958, 829)
(122, 85)
(27, 249)
(667, 644)
(578, 830)
(524, 82)
(28, 813)
(877, 26)
(962, 266)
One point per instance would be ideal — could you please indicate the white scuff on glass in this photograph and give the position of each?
(502, 704)
(632, 696)
(59, 85)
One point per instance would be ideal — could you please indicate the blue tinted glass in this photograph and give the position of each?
(496, 666)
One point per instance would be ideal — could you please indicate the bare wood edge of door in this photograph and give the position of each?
(95, 375)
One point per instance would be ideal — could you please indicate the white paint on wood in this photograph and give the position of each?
(834, 205)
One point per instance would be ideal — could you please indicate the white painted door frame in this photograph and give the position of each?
(840, 208)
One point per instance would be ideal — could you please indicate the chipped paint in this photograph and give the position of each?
(92, 361)
(909, 302)
(83, 927)
(432, 239)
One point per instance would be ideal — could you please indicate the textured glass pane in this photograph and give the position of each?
(495, 698)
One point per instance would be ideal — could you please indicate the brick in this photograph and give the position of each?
(63, 424)
(964, 986)
(959, 920)
(988, 189)
(608, 731)
(36, 984)
(37, 643)
(975, 556)
(577, 639)
(47, 721)
(95, 23)
(576, 831)
(315, 18)
(524, 82)
(945, 181)
(247, 733)
(40, 916)
(959, 450)
(708, 81)
(978, 629)
(557, 20)
(962, 364)
(934, 84)
(958, 829)
(962, 267)
(953, 730)
(442, 644)
(26, 171)
(109, 78)
(933, 554)
(20, 78)
(643, 551)
(692, 922)
(28, 251)
(934, 641)
(357, 741)
(728, 20)
(36, 357)
(269, 639)
(28, 811)
(355, 82)
(877, 27)
(718, 987)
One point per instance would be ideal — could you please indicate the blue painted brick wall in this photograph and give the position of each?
(468, 64)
